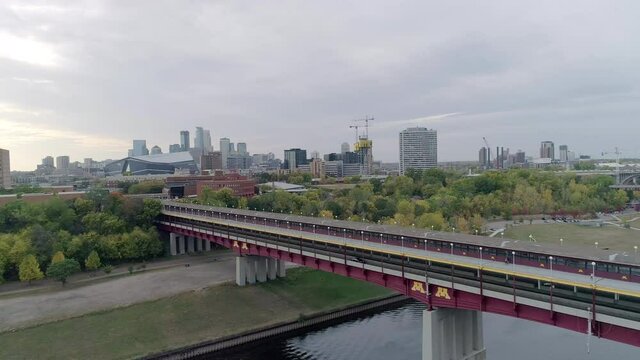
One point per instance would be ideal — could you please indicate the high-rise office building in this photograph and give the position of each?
(198, 142)
(62, 162)
(418, 149)
(156, 150)
(345, 147)
(224, 150)
(208, 146)
(547, 150)
(564, 153)
(520, 157)
(483, 158)
(242, 148)
(140, 148)
(315, 154)
(174, 148)
(185, 141)
(5, 169)
(211, 161)
(293, 158)
(48, 162)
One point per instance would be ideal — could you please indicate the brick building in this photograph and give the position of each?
(182, 186)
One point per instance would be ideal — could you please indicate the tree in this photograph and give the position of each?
(63, 269)
(93, 261)
(57, 257)
(30, 269)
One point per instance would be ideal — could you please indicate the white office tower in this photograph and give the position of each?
(224, 151)
(418, 149)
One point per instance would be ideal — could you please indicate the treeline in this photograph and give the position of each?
(113, 227)
(444, 200)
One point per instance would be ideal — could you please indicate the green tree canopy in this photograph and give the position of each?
(63, 269)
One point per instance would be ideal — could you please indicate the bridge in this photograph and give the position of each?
(458, 276)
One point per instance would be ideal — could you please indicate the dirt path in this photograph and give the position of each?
(20, 311)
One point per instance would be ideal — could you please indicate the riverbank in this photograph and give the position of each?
(188, 318)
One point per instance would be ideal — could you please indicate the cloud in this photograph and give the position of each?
(27, 50)
(295, 74)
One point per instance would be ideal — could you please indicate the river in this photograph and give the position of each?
(396, 334)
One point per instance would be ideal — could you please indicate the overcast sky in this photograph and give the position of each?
(84, 78)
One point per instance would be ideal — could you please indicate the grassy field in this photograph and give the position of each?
(187, 318)
(607, 237)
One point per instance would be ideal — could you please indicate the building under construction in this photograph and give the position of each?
(363, 147)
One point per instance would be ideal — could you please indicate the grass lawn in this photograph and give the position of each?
(607, 237)
(187, 318)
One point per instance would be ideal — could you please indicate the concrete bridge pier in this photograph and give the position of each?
(452, 334)
(250, 269)
(190, 242)
(182, 244)
(173, 244)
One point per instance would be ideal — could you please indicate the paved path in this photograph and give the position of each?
(37, 308)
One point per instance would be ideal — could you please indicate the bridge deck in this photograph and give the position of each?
(545, 275)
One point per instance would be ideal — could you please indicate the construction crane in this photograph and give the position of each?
(488, 151)
(366, 124)
(355, 127)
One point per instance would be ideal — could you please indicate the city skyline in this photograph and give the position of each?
(283, 76)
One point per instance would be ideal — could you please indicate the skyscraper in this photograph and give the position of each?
(185, 142)
(48, 161)
(62, 162)
(547, 150)
(198, 142)
(224, 150)
(140, 148)
(174, 148)
(483, 158)
(418, 149)
(5, 169)
(242, 148)
(208, 147)
(564, 153)
(293, 158)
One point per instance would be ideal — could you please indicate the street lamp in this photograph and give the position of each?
(551, 265)
(480, 248)
(344, 233)
(314, 229)
(635, 248)
(288, 227)
(593, 271)
(453, 229)
(561, 240)
(513, 260)
(451, 248)
(431, 227)
(596, 243)
(476, 232)
(380, 239)
(502, 234)
(362, 236)
(402, 241)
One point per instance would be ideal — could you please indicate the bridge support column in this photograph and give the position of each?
(241, 270)
(198, 244)
(190, 241)
(182, 247)
(272, 268)
(281, 269)
(452, 334)
(251, 269)
(261, 268)
(207, 245)
(173, 242)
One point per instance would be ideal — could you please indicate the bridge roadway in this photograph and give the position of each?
(605, 307)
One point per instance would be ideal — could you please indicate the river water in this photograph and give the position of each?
(396, 334)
